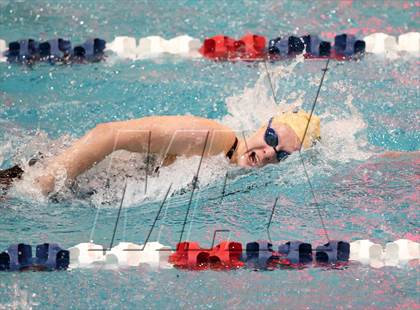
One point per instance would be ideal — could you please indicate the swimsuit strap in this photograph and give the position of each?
(229, 154)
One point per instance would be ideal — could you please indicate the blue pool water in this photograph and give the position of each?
(366, 107)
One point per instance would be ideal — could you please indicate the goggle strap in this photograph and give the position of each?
(269, 122)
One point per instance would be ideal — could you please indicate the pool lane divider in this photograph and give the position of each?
(55, 51)
(227, 255)
(250, 47)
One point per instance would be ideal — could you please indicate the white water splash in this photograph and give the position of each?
(248, 110)
(38, 146)
(343, 136)
(108, 177)
(342, 131)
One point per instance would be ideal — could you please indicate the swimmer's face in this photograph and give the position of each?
(256, 152)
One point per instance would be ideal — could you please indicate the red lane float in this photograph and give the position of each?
(254, 47)
(225, 255)
(218, 47)
(221, 47)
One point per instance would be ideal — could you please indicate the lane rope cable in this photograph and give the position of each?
(300, 148)
(194, 185)
(118, 215)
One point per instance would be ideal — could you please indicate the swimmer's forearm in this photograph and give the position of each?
(83, 154)
(93, 148)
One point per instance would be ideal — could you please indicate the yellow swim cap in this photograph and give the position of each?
(298, 122)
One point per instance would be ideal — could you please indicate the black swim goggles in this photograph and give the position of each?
(272, 139)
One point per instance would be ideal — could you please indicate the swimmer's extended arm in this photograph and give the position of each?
(170, 136)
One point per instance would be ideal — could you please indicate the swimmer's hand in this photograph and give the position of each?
(45, 183)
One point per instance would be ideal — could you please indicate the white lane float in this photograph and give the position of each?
(360, 251)
(3, 48)
(154, 46)
(409, 42)
(125, 254)
(156, 256)
(87, 254)
(400, 252)
(184, 46)
(366, 253)
(125, 47)
(395, 254)
(381, 43)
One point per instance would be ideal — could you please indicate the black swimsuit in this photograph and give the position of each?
(232, 150)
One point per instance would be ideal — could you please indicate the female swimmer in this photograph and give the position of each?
(173, 136)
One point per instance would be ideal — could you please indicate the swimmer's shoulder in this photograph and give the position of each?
(219, 132)
(185, 121)
(221, 137)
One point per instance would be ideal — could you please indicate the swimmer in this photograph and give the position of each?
(174, 136)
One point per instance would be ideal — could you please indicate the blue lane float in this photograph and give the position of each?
(296, 252)
(260, 255)
(333, 252)
(51, 257)
(22, 51)
(347, 45)
(91, 51)
(55, 50)
(28, 51)
(286, 47)
(316, 47)
(48, 257)
(17, 257)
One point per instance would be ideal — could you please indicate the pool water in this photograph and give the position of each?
(367, 108)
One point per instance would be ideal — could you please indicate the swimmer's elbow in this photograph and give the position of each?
(104, 135)
(102, 129)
